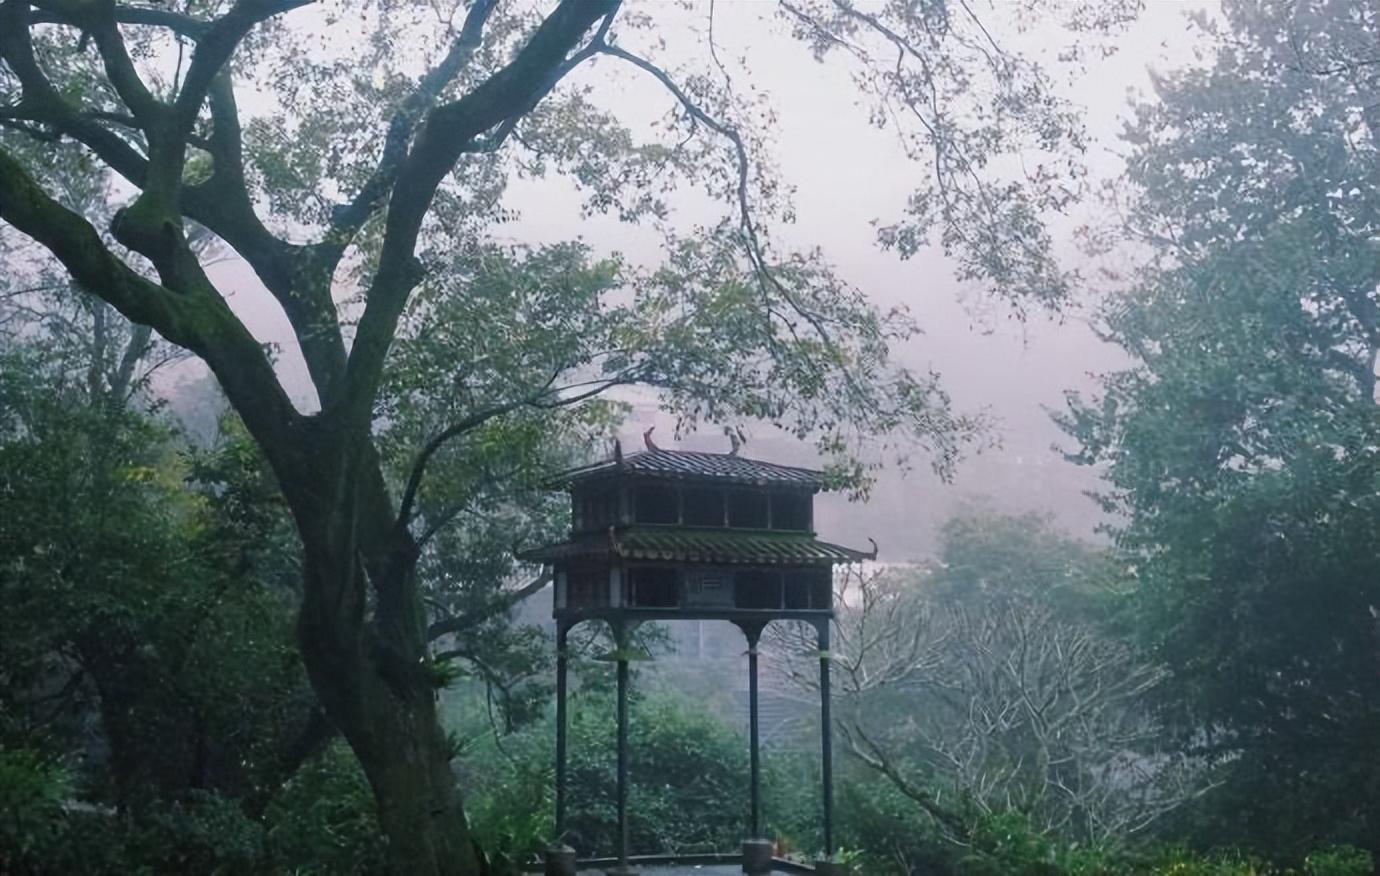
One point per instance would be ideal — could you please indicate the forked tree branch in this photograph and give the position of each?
(348, 218)
(221, 203)
(448, 131)
(42, 102)
(453, 624)
(214, 47)
(195, 320)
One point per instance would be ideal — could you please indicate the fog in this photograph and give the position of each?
(847, 176)
(361, 569)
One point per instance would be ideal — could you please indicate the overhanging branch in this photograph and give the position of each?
(752, 242)
(548, 397)
(449, 130)
(455, 624)
(199, 322)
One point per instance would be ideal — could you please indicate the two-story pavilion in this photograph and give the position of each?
(665, 534)
(670, 534)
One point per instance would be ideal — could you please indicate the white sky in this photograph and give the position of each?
(847, 174)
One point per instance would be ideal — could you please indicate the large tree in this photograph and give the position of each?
(1240, 447)
(362, 185)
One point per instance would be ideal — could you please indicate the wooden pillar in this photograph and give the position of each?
(826, 735)
(560, 858)
(622, 634)
(562, 720)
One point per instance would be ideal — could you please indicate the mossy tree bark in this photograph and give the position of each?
(361, 629)
(804, 349)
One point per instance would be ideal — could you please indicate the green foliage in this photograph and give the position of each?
(134, 599)
(148, 638)
(323, 821)
(1240, 448)
(883, 825)
(33, 789)
(1005, 844)
(1340, 861)
(202, 833)
(987, 557)
(687, 771)
(1180, 862)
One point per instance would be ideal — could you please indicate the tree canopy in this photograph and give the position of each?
(355, 159)
(1241, 445)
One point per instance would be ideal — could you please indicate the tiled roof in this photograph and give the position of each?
(694, 465)
(680, 544)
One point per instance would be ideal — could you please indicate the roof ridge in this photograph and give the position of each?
(708, 464)
(718, 455)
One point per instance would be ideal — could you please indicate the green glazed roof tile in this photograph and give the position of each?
(677, 544)
(690, 465)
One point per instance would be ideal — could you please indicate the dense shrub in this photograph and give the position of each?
(32, 790)
(204, 833)
(324, 821)
(688, 774)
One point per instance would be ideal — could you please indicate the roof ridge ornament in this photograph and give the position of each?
(647, 439)
(618, 453)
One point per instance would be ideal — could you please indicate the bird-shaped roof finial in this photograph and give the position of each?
(647, 439)
(735, 440)
(617, 452)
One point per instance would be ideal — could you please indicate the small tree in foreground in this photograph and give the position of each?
(992, 684)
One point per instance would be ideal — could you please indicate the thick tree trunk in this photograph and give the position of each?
(419, 804)
(368, 663)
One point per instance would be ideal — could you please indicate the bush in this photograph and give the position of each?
(32, 792)
(204, 833)
(886, 825)
(1340, 861)
(688, 774)
(324, 820)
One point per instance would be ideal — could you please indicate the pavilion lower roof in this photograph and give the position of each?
(681, 544)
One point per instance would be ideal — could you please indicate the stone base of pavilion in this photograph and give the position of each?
(685, 865)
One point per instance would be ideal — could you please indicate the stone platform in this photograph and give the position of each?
(687, 870)
(706, 865)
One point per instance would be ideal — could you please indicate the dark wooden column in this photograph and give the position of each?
(623, 761)
(562, 671)
(560, 858)
(622, 635)
(826, 736)
(752, 630)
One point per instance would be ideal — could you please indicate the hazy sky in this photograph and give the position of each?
(847, 174)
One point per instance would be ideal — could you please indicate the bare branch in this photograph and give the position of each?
(503, 602)
(1010, 704)
(200, 322)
